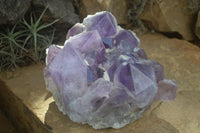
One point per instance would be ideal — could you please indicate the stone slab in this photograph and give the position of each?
(181, 60)
(169, 16)
(21, 116)
(5, 125)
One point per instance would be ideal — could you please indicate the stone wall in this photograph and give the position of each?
(163, 16)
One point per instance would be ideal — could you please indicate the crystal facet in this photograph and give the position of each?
(101, 77)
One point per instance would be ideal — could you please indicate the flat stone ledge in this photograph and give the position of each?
(181, 60)
(20, 115)
(5, 124)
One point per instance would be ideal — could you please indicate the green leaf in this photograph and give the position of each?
(38, 21)
(35, 43)
(27, 25)
(19, 45)
(47, 25)
(41, 36)
(26, 40)
(31, 19)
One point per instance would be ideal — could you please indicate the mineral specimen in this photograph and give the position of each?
(101, 76)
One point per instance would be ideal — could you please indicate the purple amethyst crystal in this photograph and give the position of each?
(101, 76)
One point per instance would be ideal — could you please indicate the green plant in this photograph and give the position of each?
(24, 43)
(33, 36)
(11, 48)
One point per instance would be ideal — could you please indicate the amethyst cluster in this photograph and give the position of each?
(101, 76)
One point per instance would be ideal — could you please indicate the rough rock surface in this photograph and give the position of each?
(180, 58)
(182, 62)
(60, 9)
(197, 27)
(63, 10)
(13, 10)
(117, 7)
(184, 112)
(169, 16)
